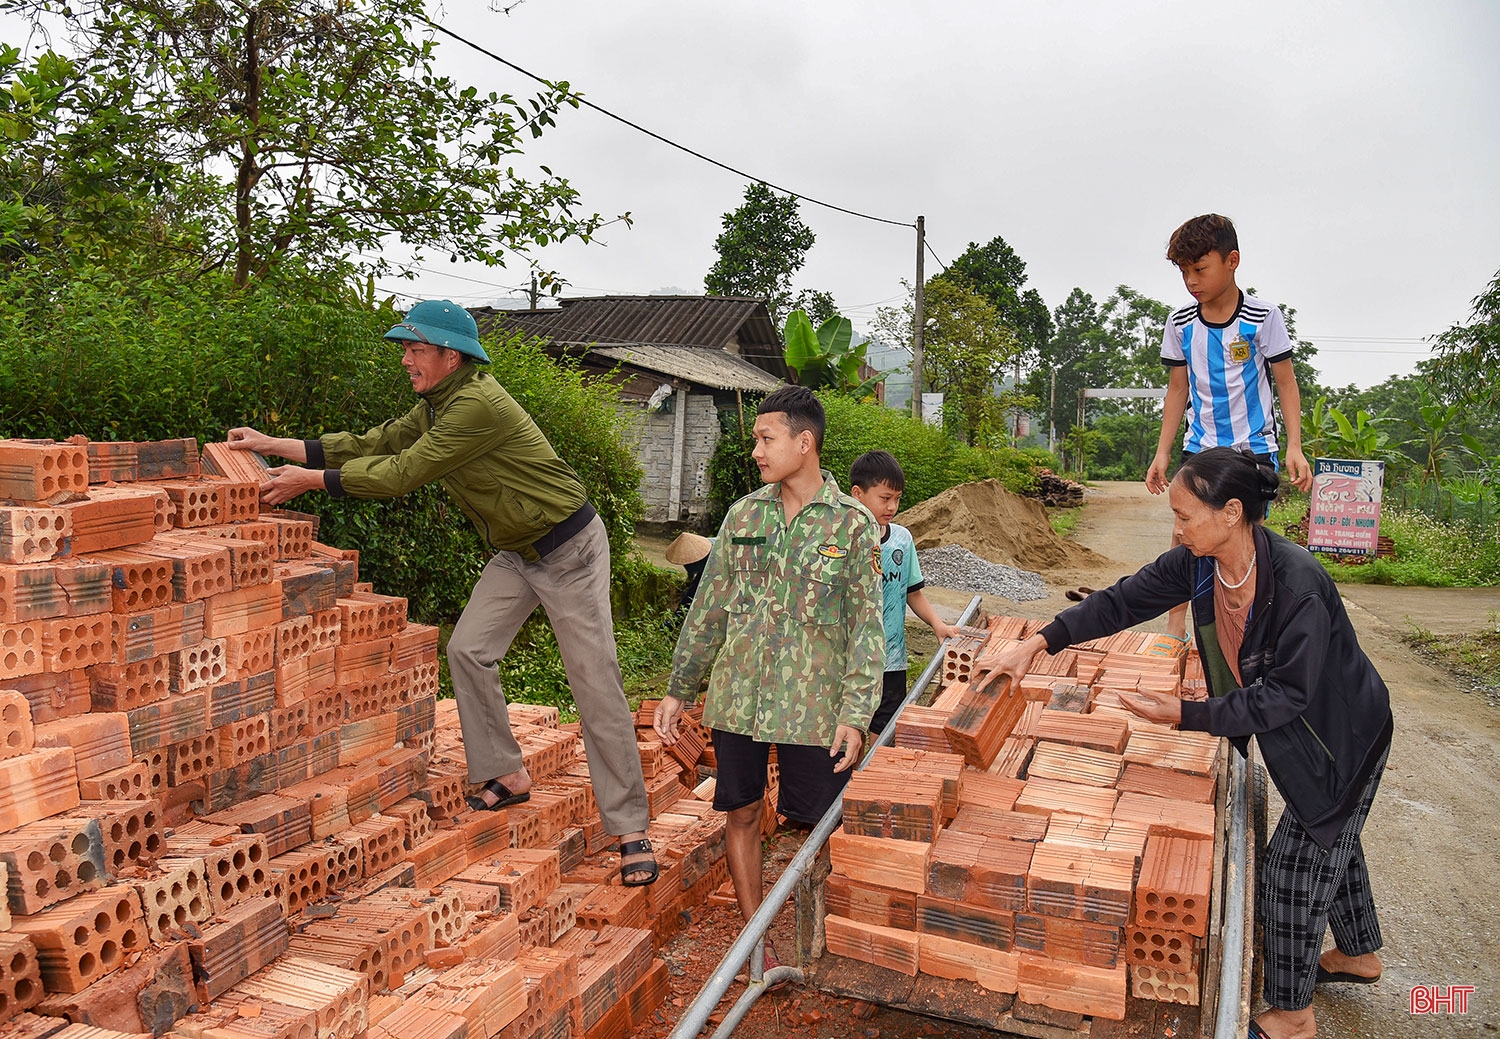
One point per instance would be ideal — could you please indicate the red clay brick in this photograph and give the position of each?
(43, 473)
(32, 535)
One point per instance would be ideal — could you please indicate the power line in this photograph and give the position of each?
(935, 256)
(580, 99)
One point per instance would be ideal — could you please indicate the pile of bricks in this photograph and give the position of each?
(1037, 838)
(232, 807)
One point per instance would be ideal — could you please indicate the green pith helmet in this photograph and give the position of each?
(441, 322)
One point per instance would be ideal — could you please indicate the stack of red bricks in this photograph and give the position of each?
(1052, 846)
(231, 806)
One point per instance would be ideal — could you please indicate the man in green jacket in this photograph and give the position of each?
(550, 548)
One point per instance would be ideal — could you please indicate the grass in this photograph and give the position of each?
(1474, 657)
(1064, 520)
(1428, 552)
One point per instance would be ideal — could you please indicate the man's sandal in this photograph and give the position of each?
(640, 847)
(502, 794)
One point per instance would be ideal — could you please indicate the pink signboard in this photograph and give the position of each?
(1345, 517)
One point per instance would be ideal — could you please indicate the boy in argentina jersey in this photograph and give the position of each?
(1223, 352)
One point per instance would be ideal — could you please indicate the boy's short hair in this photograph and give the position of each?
(803, 411)
(1209, 233)
(876, 467)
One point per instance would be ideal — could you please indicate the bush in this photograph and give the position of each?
(122, 355)
(1428, 552)
(931, 459)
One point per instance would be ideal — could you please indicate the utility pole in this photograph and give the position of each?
(918, 320)
(1052, 414)
(533, 292)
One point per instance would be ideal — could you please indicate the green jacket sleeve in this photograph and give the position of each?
(463, 431)
(388, 438)
(704, 627)
(865, 658)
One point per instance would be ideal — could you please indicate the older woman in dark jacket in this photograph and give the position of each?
(1282, 665)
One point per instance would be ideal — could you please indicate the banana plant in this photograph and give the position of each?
(1361, 438)
(827, 356)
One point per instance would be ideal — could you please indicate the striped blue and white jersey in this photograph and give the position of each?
(1229, 374)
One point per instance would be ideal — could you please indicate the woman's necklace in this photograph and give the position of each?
(1240, 584)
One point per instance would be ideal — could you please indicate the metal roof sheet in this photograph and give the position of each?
(712, 322)
(715, 368)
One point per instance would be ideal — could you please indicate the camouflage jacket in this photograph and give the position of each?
(788, 617)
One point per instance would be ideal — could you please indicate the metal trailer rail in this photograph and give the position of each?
(752, 938)
(1233, 1002)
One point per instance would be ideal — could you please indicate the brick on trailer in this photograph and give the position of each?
(890, 863)
(1081, 883)
(1165, 782)
(1173, 890)
(1045, 796)
(959, 921)
(1167, 817)
(885, 947)
(1164, 986)
(1169, 950)
(1050, 760)
(882, 803)
(991, 968)
(1095, 991)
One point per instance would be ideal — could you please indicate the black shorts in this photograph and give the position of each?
(892, 692)
(808, 782)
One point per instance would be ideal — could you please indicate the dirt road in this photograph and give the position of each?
(1433, 837)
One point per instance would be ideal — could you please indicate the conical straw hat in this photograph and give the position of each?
(688, 548)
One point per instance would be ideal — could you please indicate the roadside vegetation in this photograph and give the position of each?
(1474, 658)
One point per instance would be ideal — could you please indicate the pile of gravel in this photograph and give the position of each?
(954, 566)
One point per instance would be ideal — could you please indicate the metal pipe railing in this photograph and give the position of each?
(1230, 1021)
(752, 938)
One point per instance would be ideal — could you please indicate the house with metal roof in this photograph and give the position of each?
(678, 362)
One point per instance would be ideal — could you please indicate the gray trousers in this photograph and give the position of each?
(572, 585)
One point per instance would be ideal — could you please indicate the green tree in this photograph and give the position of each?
(1134, 322)
(339, 130)
(818, 305)
(1081, 353)
(1468, 356)
(999, 275)
(763, 244)
(69, 186)
(967, 348)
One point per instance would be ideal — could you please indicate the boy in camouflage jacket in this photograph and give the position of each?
(788, 618)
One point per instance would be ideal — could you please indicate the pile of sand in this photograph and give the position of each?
(996, 525)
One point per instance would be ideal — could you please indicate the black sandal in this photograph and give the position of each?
(502, 792)
(640, 847)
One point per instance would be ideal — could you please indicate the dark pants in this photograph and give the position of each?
(1304, 890)
(892, 692)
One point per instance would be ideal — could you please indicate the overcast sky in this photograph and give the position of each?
(1356, 145)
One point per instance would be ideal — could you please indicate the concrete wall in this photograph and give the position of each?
(656, 438)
